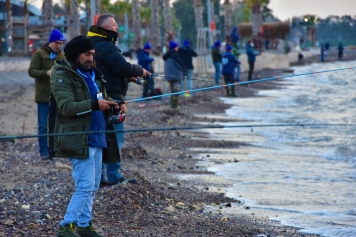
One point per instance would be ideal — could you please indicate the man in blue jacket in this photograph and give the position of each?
(235, 37)
(251, 57)
(186, 53)
(229, 63)
(144, 59)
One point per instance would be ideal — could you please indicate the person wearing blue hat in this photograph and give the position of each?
(229, 63)
(235, 37)
(217, 57)
(174, 69)
(251, 58)
(40, 69)
(144, 59)
(186, 53)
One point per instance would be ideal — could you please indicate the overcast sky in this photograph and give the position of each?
(285, 9)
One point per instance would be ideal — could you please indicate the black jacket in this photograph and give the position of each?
(186, 53)
(174, 68)
(111, 63)
(216, 55)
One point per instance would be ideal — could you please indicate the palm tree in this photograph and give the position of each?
(212, 16)
(156, 41)
(73, 24)
(167, 21)
(98, 6)
(136, 23)
(198, 10)
(145, 14)
(228, 19)
(9, 25)
(47, 18)
(26, 15)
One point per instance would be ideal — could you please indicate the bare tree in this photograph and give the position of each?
(137, 23)
(156, 40)
(47, 18)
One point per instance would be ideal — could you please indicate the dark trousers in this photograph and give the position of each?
(175, 87)
(339, 56)
(229, 78)
(149, 86)
(250, 71)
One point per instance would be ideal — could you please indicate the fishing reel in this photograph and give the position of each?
(115, 115)
(140, 81)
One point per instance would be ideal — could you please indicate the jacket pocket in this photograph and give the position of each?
(72, 143)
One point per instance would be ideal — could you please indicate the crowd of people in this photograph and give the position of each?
(82, 89)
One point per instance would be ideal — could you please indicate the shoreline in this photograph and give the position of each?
(34, 194)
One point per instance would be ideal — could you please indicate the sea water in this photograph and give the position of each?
(301, 176)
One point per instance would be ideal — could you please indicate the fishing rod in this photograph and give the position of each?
(237, 84)
(11, 137)
(194, 79)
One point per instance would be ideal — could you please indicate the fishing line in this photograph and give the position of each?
(11, 137)
(237, 84)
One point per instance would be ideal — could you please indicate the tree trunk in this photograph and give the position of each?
(136, 24)
(167, 22)
(9, 25)
(156, 40)
(97, 7)
(228, 19)
(73, 23)
(212, 17)
(198, 10)
(26, 15)
(256, 19)
(47, 18)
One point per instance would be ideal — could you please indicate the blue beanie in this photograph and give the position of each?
(186, 43)
(55, 35)
(172, 45)
(217, 43)
(147, 46)
(228, 47)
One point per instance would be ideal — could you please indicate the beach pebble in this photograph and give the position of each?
(25, 207)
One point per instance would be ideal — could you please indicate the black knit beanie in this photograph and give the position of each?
(76, 46)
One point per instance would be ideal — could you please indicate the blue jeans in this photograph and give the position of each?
(217, 72)
(86, 175)
(42, 116)
(238, 70)
(189, 81)
(113, 170)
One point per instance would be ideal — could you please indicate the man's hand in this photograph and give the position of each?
(133, 79)
(145, 73)
(49, 73)
(122, 108)
(105, 105)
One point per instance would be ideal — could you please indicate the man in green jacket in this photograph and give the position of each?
(79, 92)
(40, 68)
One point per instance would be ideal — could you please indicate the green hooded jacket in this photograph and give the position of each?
(74, 107)
(40, 64)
